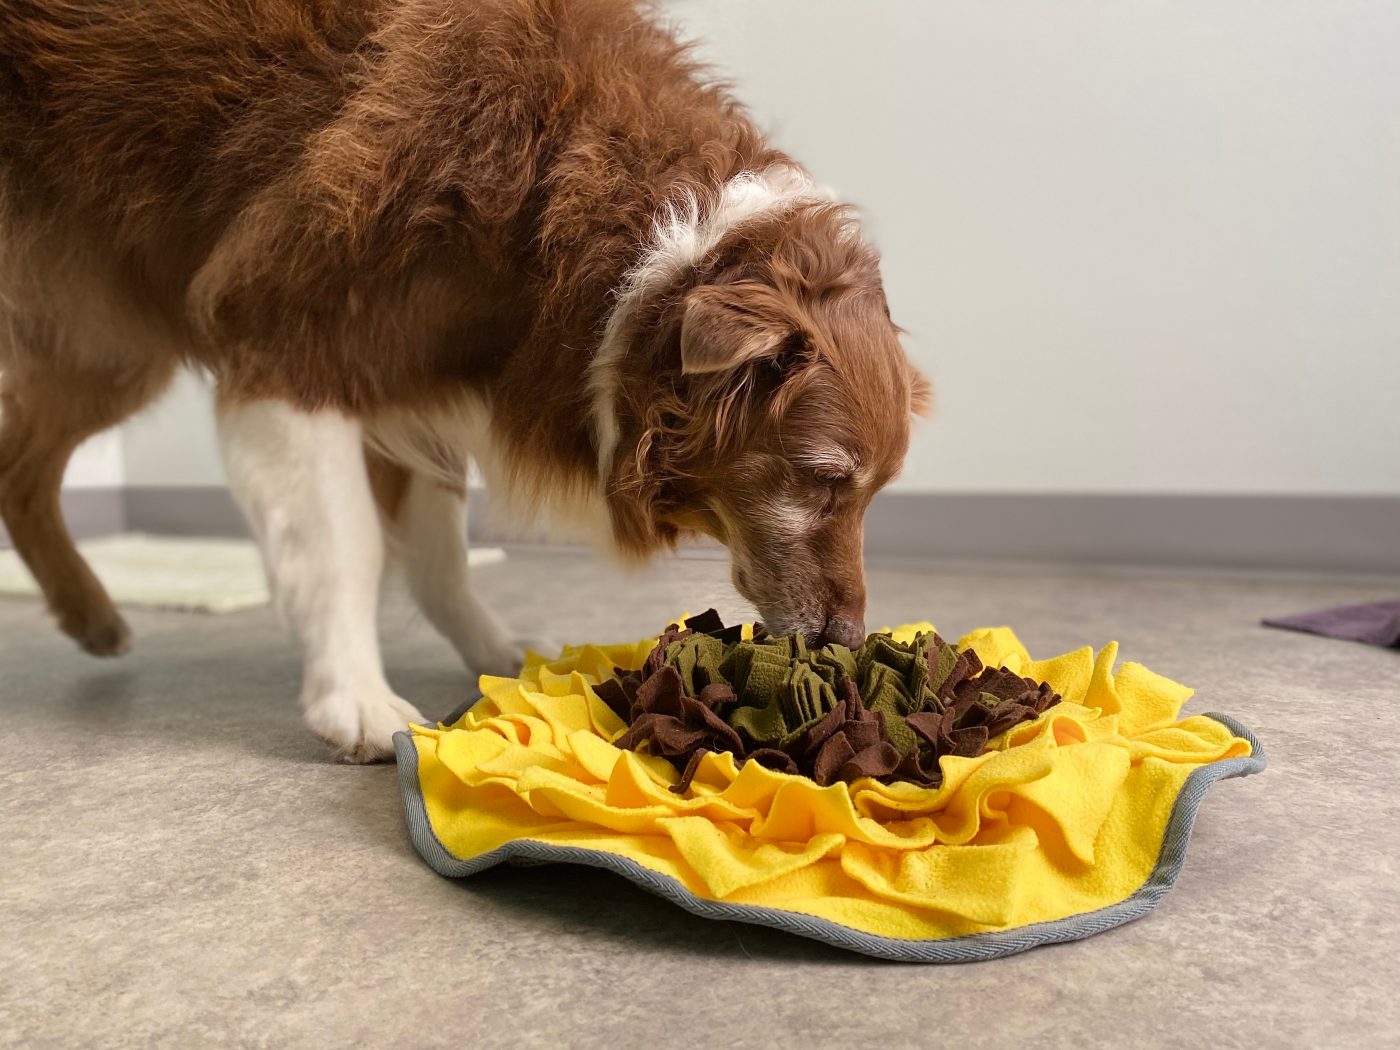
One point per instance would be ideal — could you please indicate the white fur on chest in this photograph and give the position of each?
(445, 443)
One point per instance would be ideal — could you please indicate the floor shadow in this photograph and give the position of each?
(574, 900)
(193, 706)
(594, 903)
(100, 698)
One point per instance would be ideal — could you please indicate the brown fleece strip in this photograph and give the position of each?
(889, 710)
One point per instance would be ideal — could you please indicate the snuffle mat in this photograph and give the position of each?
(913, 800)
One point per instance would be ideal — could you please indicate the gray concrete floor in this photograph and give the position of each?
(182, 865)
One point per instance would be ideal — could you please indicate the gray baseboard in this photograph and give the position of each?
(211, 511)
(207, 511)
(88, 513)
(1325, 534)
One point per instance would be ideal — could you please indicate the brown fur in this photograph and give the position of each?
(380, 205)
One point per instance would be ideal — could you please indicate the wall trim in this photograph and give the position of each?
(1330, 534)
(89, 512)
(184, 511)
(1326, 534)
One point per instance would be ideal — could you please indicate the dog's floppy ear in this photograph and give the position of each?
(728, 325)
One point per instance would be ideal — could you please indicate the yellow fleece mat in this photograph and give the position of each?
(1066, 826)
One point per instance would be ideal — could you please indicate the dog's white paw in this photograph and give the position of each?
(546, 647)
(360, 723)
(504, 657)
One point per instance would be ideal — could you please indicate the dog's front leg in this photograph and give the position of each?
(431, 529)
(300, 478)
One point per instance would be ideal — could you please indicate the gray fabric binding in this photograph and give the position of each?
(968, 948)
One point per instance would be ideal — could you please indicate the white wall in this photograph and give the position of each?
(97, 463)
(173, 443)
(1139, 246)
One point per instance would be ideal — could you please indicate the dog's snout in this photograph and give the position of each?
(843, 630)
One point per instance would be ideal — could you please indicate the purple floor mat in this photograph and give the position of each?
(1375, 623)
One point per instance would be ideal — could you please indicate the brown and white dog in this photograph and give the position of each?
(400, 234)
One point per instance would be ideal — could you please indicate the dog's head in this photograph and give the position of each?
(787, 410)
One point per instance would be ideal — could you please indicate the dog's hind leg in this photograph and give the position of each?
(46, 411)
(301, 480)
(427, 523)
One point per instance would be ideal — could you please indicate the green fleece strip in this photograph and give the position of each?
(888, 710)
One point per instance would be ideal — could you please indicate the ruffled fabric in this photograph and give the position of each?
(890, 710)
(1059, 816)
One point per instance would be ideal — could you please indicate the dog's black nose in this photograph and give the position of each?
(843, 631)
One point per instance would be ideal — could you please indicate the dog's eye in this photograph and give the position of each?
(831, 484)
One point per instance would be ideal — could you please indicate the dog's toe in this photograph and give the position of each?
(101, 633)
(360, 726)
(503, 660)
(506, 657)
(540, 646)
